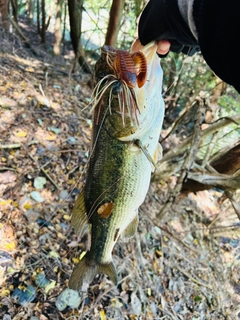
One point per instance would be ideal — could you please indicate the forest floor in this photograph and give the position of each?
(186, 266)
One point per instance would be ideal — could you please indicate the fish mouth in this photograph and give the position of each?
(124, 74)
(114, 88)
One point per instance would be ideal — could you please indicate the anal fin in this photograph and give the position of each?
(79, 217)
(131, 228)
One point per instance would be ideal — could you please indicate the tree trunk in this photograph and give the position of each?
(14, 4)
(43, 30)
(64, 21)
(29, 9)
(75, 16)
(58, 29)
(38, 17)
(4, 10)
(114, 22)
(51, 12)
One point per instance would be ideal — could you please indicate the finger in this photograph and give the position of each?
(163, 47)
(136, 46)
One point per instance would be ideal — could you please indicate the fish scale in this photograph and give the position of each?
(120, 166)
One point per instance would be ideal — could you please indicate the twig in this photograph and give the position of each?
(188, 162)
(43, 170)
(235, 204)
(174, 125)
(10, 146)
(110, 288)
(216, 126)
(171, 235)
(193, 279)
(209, 149)
(168, 313)
(7, 169)
(15, 25)
(41, 90)
(49, 178)
(16, 145)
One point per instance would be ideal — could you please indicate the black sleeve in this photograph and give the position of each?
(161, 19)
(218, 27)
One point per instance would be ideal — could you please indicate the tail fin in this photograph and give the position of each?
(85, 271)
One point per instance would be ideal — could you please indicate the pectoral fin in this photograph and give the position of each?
(158, 153)
(146, 153)
(131, 228)
(86, 270)
(79, 217)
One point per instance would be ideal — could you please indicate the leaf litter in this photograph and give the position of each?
(177, 268)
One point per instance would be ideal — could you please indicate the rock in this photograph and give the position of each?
(39, 182)
(68, 298)
(36, 196)
(63, 194)
(32, 215)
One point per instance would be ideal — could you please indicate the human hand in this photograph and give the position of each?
(162, 49)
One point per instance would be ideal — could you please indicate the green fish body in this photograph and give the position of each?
(119, 170)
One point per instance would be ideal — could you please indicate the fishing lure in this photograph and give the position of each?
(128, 67)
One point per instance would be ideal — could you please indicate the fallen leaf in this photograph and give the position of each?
(82, 255)
(27, 206)
(21, 134)
(102, 315)
(10, 246)
(50, 137)
(55, 130)
(136, 304)
(4, 293)
(50, 286)
(41, 281)
(53, 254)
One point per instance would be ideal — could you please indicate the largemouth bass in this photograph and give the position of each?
(127, 120)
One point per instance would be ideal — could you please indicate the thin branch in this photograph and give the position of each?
(213, 128)
(188, 162)
(186, 274)
(171, 235)
(10, 146)
(43, 170)
(15, 25)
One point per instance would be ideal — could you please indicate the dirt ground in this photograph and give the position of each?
(186, 266)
